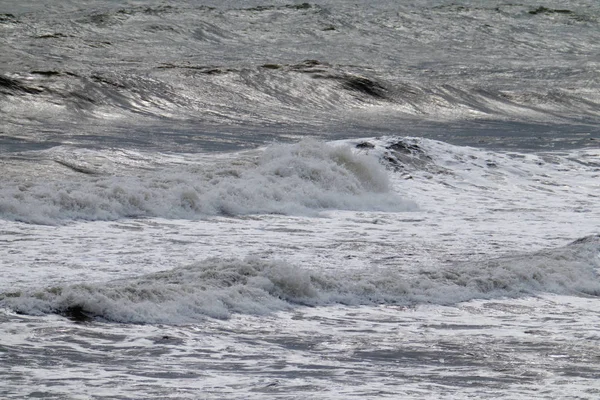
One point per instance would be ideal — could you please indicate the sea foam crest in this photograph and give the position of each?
(302, 178)
(217, 288)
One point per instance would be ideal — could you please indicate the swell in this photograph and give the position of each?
(92, 95)
(232, 64)
(295, 93)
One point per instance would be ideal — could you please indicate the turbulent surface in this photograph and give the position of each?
(216, 288)
(512, 184)
(540, 348)
(475, 292)
(299, 200)
(286, 179)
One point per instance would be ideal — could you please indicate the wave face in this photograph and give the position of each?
(85, 72)
(217, 288)
(297, 179)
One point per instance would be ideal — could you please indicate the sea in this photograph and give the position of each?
(276, 199)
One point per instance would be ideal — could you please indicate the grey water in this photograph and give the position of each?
(228, 75)
(150, 247)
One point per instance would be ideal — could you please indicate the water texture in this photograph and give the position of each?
(215, 200)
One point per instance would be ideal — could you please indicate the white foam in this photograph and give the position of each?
(479, 209)
(302, 178)
(217, 288)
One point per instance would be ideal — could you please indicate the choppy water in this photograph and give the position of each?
(292, 200)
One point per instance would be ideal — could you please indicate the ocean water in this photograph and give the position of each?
(290, 200)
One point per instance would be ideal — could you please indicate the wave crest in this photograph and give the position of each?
(217, 288)
(302, 178)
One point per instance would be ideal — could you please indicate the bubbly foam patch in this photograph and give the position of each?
(302, 178)
(217, 288)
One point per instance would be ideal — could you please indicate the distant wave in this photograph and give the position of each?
(294, 93)
(297, 64)
(217, 288)
(302, 178)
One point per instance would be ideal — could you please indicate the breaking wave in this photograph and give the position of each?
(217, 288)
(302, 178)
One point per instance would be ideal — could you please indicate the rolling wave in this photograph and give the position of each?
(301, 93)
(63, 184)
(303, 178)
(217, 288)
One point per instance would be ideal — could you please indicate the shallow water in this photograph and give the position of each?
(532, 347)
